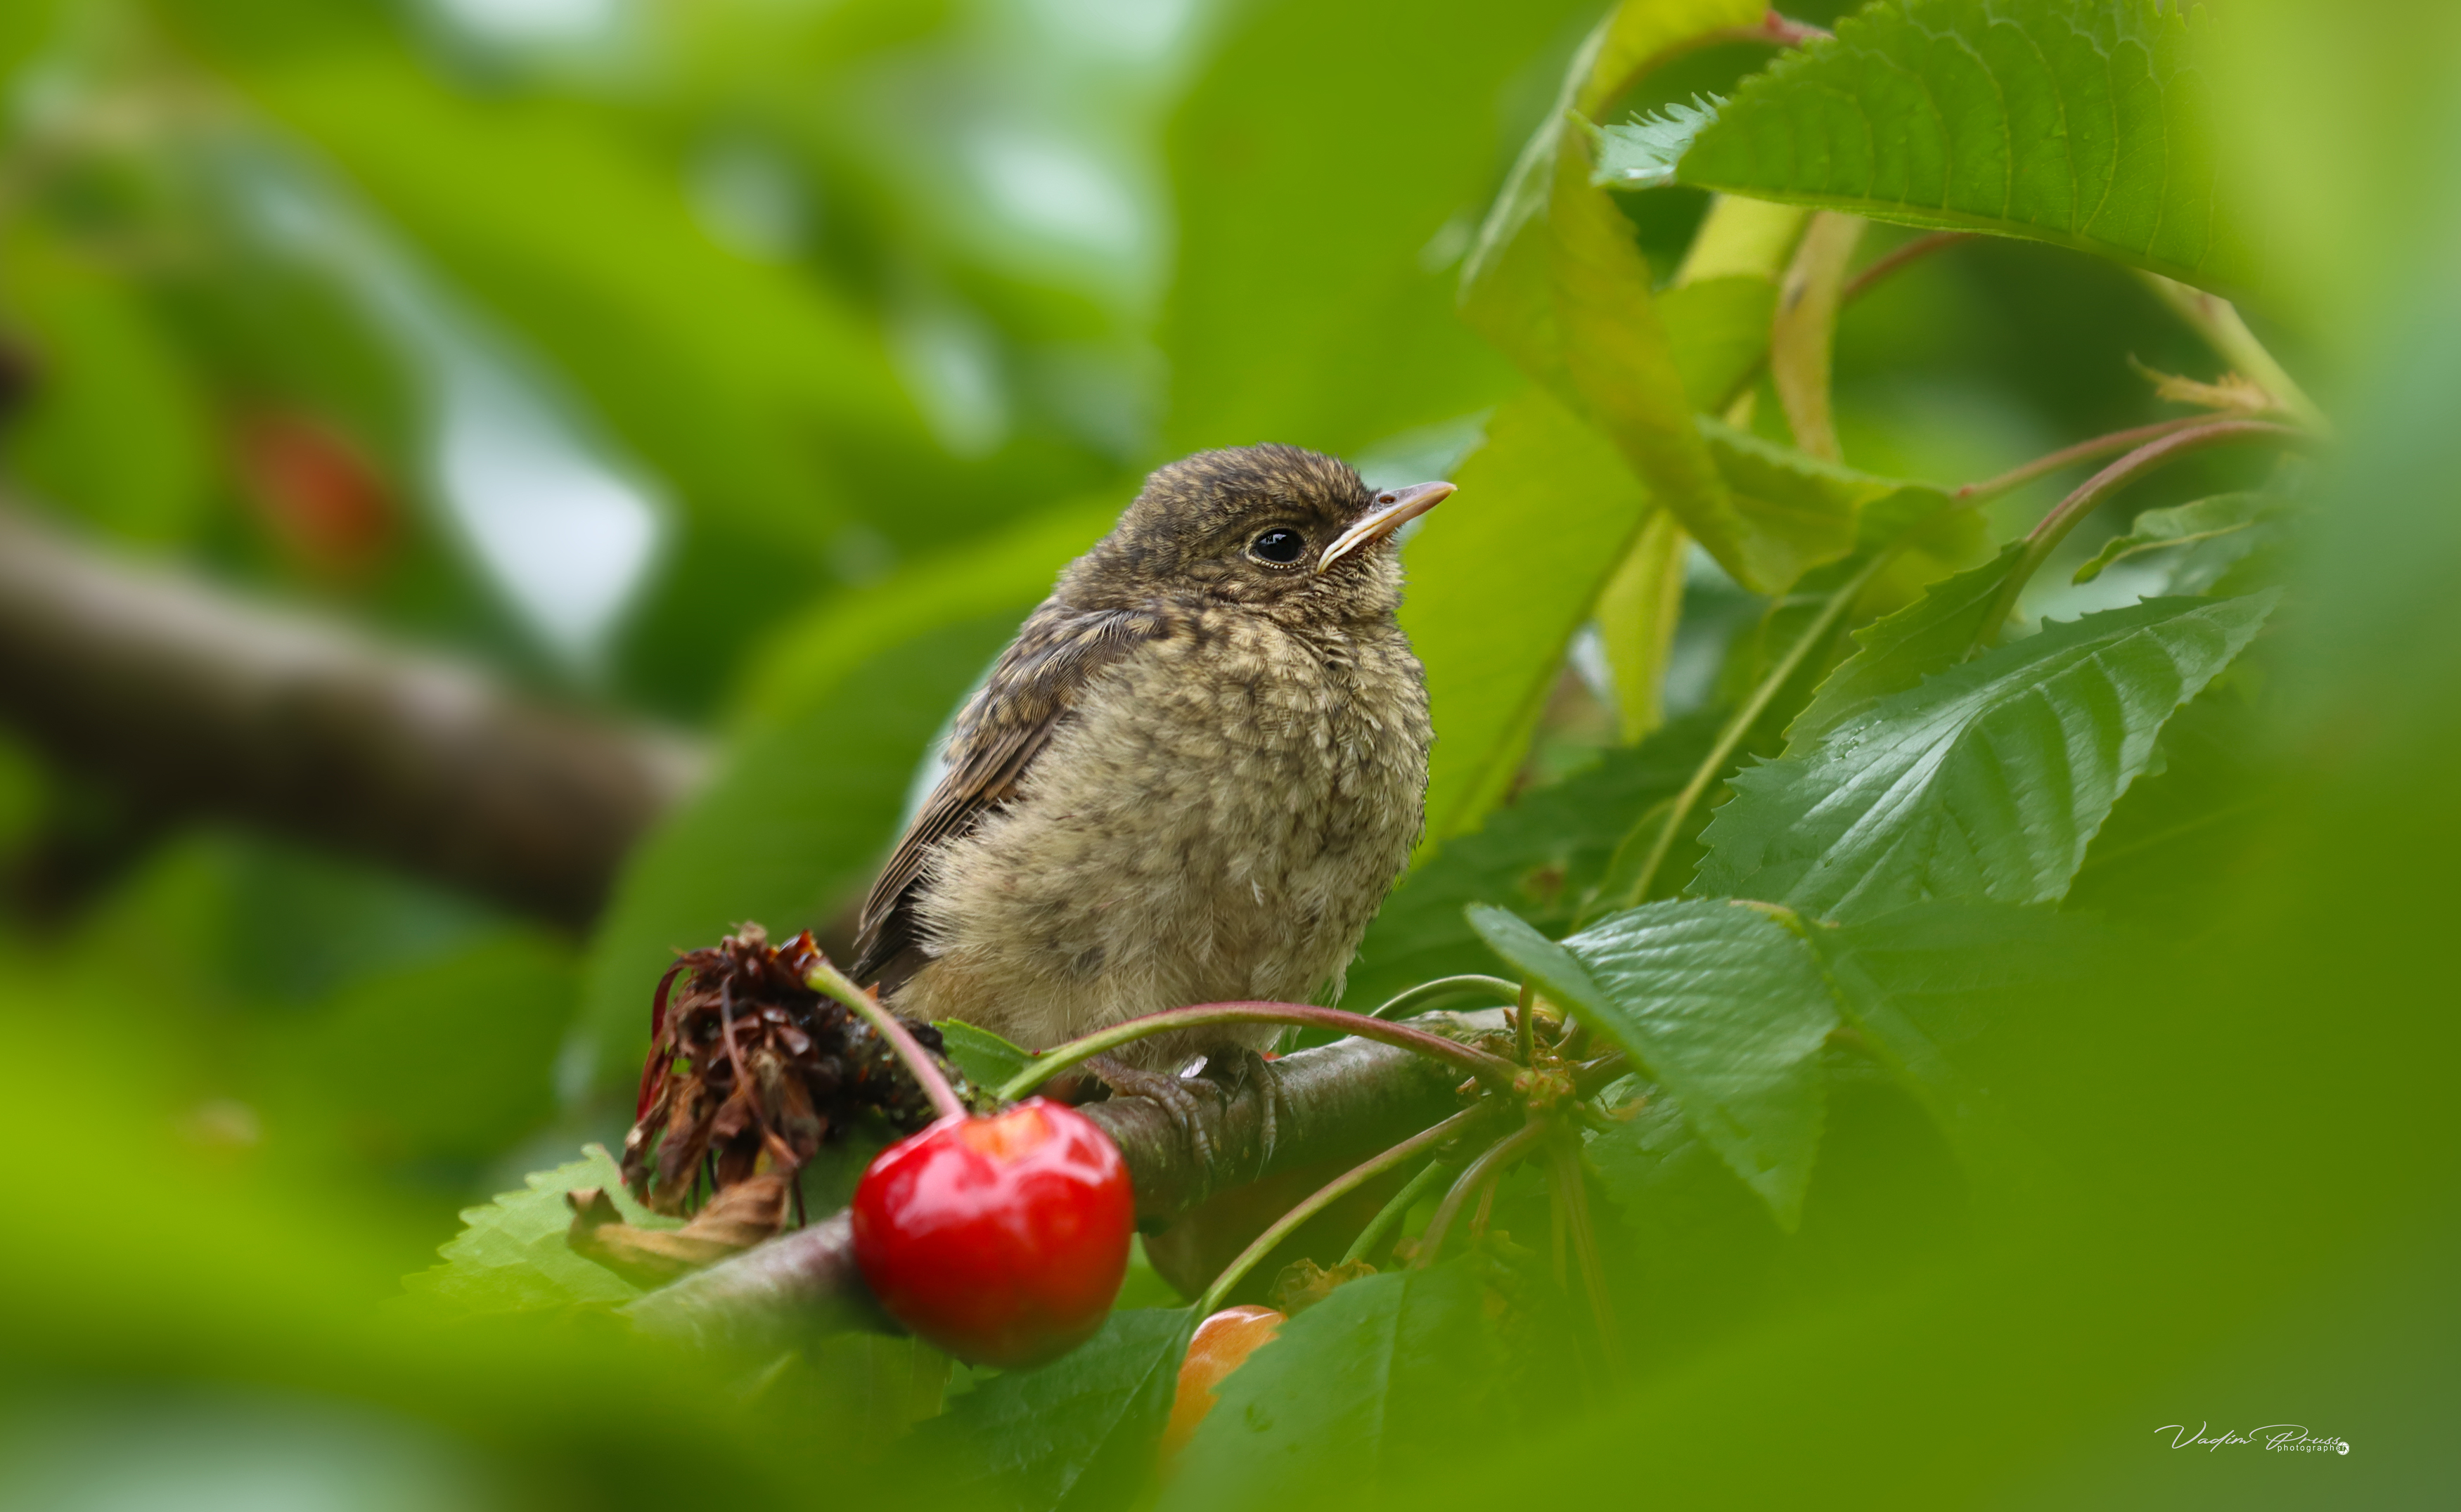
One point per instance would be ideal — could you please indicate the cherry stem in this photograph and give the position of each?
(1895, 258)
(2085, 451)
(2090, 495)
(1325, 1197)
(1714, 764)
(830, 982)
(1494, 1069)
(1441, 988)
(1389, 1217)
(1490, 1162)
(1573, 1202)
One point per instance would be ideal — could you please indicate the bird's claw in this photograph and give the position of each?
(1230, 1075)
(1167, 1092)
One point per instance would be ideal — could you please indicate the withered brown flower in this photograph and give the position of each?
(750, 1072)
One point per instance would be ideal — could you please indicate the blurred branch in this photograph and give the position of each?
(1342, 1099)
(195, 701)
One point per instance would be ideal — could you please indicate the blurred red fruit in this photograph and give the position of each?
(1000, 1240)
(317, 490)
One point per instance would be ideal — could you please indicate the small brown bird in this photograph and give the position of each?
(1191, 779)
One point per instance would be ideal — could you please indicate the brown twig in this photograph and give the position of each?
(1334, 1099)
(193, 700)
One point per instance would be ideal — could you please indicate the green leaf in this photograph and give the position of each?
(1500, 580)
(1618, 370)
(1505, 291)
(1280, 327)
(1080, 1432)
(511, 1255)
(986, 1059)
(1538, 856)
(1643, 153)
(2222, 517)
(752, 387)
(1723, 1004)
(1804, 508)
(1920, 981)
(1986, 781)
(107, 374)
(1899, 651)
(1638, 611)
(838, 712)
(2086, 123)
(1362, 1390)
(1717, 331)
(467, 1044)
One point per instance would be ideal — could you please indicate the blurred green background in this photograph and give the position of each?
(746, 369)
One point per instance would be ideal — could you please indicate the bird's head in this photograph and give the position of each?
(1289, 531)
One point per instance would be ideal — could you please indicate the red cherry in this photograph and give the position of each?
(1000, 1240)
(1221, 1343)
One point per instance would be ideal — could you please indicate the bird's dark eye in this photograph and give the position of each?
(1282, 546)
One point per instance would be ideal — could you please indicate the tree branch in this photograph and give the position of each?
(1349, 1096)
(198, 702)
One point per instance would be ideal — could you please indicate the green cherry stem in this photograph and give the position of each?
(1441, 988)
(1491, 1163)
(1741, 725)
(1325, 1197)
(1572, 1193)
(830, 982)
(1493, 1070)
(1390, 1216)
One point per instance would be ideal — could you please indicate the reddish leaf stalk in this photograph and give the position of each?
(1896, 258)
(1493, 1070)
(2085, 451)
(2088, 496)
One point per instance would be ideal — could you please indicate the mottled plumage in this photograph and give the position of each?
(1191, 778)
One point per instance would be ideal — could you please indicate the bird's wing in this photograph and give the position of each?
(1031, 690)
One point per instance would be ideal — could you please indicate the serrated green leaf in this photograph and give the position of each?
(1641, 153)
(2088, 124)
(1080, 1433)
(511, 1255)
(2222, 516)
(1538, 857)
(1986, 781)
(986, 1059)
(1804, 509)
(1387, 1375)
(1723, 1004)
(1899, 651)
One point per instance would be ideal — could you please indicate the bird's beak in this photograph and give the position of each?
(1395, 507)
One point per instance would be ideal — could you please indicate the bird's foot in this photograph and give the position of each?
(1169, 1092)
(1231, 1074)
